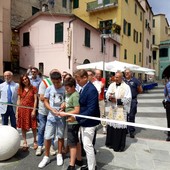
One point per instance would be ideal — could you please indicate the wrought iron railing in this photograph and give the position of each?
(95, 5)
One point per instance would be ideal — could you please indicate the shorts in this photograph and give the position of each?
(72, 134)
(55, 128)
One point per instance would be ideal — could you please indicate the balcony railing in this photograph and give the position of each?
(95, 6)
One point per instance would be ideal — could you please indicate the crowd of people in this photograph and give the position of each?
(53, 105)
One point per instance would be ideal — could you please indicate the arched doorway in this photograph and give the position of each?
(166, 72)
(86, 61)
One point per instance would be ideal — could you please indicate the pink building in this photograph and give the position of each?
(62, 41)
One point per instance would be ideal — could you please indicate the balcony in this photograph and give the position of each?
(96, 6)
(113, 36)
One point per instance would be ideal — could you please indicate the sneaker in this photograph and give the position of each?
(132, 135)
(38, 151)
(52, 151)
(59, 159)
(79, 162)
(71, 167)
(104, 130)
(168, 139)
(44, 162)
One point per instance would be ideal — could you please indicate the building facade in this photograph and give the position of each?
(164, 57)
(147, 34)
(22, 9)
(5, 33)
(119, 18)
(160, 33)
(62, 41)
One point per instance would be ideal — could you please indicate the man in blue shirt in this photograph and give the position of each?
(136, 88)
(167, 96)
(35, 79)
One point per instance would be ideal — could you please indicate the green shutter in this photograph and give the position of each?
(134, 59)
(64, 3)
(75, 4)
(87, 37)
(129, 29)
(124, 26)
(58, 32)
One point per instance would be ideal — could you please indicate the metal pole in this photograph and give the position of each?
(104, 51)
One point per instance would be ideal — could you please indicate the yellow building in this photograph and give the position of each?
(121, 17)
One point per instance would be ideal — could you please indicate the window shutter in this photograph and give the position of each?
(58, 32)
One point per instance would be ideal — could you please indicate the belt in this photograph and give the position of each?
(134, 97)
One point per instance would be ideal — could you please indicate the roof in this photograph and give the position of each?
(38, 14)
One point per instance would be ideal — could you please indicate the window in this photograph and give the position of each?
(153, 39)
(141, 16)
(163, 52)
(34, 10)
(26, 39)
(136, 7)
(140, 37)
(150, 59)
(153, 23)
(114, 50)
(147, 43)
(125, 54)
(59, 32)
(129, 29)
(154, 55)
(87, 37)
(140, 57)
(126, 28)
(75, 4)
(134, 59)
(146, 23)
(106, 27)
(135, 36)
(64, 3)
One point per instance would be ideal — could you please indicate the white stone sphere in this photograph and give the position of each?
(9, 142)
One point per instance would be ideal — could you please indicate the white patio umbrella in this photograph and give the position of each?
(145, 70)
(114, 66)
(96, 65)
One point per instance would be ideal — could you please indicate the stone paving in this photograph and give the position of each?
(147, 151)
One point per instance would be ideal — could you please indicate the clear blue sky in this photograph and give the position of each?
(161, 7)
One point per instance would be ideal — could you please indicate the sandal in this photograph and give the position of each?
(35, 145)
(25, 147)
